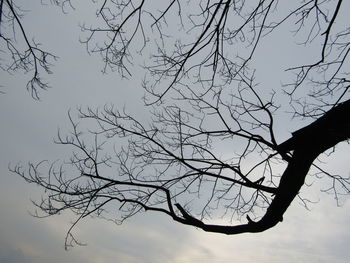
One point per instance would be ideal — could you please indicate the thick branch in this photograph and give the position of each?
(325, 132)
(307, 143)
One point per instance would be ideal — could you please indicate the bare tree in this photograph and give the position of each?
(19, 52)
(201, 92)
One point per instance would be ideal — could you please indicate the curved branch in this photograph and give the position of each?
(332, 128)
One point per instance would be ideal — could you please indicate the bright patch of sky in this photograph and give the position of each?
(28, 128)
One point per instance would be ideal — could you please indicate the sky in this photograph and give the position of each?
(28, 128)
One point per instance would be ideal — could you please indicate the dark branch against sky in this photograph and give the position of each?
(263, 115)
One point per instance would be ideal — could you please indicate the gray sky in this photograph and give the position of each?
(28, 128)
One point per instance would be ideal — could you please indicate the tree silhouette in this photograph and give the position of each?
(20, 52)
(201, 90)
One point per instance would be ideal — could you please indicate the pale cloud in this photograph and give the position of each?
(13, 254)
(319, 235)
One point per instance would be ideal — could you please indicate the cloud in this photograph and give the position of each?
(10, 254)
(321, 235)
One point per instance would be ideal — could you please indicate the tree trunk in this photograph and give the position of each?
(305, 145)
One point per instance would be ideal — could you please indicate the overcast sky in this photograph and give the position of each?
(27, 131)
